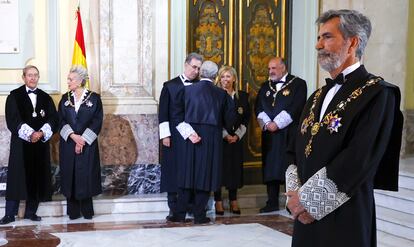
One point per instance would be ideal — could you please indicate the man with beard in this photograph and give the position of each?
(348, 142)
(279, 104)
(169, 115)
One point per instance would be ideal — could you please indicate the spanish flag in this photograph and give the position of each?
(79, 54)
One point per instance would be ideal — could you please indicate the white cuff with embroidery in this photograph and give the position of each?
(320, 195)
(292, 178)
(66, 131)
(89, 136)
(25, 132)
(47, 132)
(164, 130)
(283, 119)
(263, 119)
(225, 133)
(185, 130)
(241, 131)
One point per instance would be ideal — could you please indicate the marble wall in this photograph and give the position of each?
(129, 155)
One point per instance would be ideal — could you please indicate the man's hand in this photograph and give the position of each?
(271, 126)
(306, 218)
(36, 136)
(166, 141)
(194, 138)
(294, 204)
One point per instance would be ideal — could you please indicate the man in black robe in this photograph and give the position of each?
(207, 110)
(279, 104)
(169, 115)
(349, 138)
(32, 119)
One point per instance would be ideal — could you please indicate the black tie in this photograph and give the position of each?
(32, 91)
(339, 79)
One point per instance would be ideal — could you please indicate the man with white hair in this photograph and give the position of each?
(207, 110)
(348, 143)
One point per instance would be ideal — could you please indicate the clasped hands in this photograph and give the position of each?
(272, 126)
(296, 209)
(36, 136)
(231, 139)
(79, 142)
(194, 138)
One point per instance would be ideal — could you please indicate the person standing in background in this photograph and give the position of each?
(32, 119)
(80, 121)
(169, 114)
(279, 104)
(232, 177)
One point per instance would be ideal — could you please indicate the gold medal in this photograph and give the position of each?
(267, 93)
(286, 92)
(240, 110)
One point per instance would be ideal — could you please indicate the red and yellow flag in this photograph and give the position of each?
(79, 54)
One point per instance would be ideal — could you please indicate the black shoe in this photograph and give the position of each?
(268, 209)
(219, 212)
(7, 219)
(74, 217)
(33, 217)
(175, 218)
(88, 217)
(203, 220)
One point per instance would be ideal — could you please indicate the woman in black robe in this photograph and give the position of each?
(232, 177)
(80, 115)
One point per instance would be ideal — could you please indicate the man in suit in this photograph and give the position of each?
(207, 110)
(169, 114)
(348, 142)
(32, 119)
(279, 104)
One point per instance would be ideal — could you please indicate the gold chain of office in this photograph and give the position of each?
(316, 126)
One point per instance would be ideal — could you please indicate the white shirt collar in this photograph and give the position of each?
(27, 89)
(284, 77)
(351, 69)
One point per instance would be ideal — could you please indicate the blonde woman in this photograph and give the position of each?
(232, 175)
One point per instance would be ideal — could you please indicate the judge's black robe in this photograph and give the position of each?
(29, 174)
(171, 112)
(291, 99)
(232, 177)
(345, 163)
(207, 109)
(85, 167)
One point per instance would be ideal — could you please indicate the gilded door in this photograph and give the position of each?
(244, 34)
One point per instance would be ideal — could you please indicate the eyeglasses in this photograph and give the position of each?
(195, 67)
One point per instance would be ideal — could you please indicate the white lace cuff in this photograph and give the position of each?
(225, 133)
(66, 131)
(185, 130)
(89, 136)
(164, 130)
(25, 132)
(292, 179)
(320, 195)
(283, 119)
(47, 132)
(263, 119)
(241, 131)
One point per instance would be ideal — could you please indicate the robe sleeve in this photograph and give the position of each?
(91, 132)
(336, 182)
(262, 117)
(65, 129)
(51, 125)
(163, 115)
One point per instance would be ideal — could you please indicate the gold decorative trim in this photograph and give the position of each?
(241, 42)
(230, 27)
(283, 28)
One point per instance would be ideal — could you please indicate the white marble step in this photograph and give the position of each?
(122, 204)
(389, 240)
(403, 200)
(395, 222)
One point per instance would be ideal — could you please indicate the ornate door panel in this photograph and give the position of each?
(244, 34)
